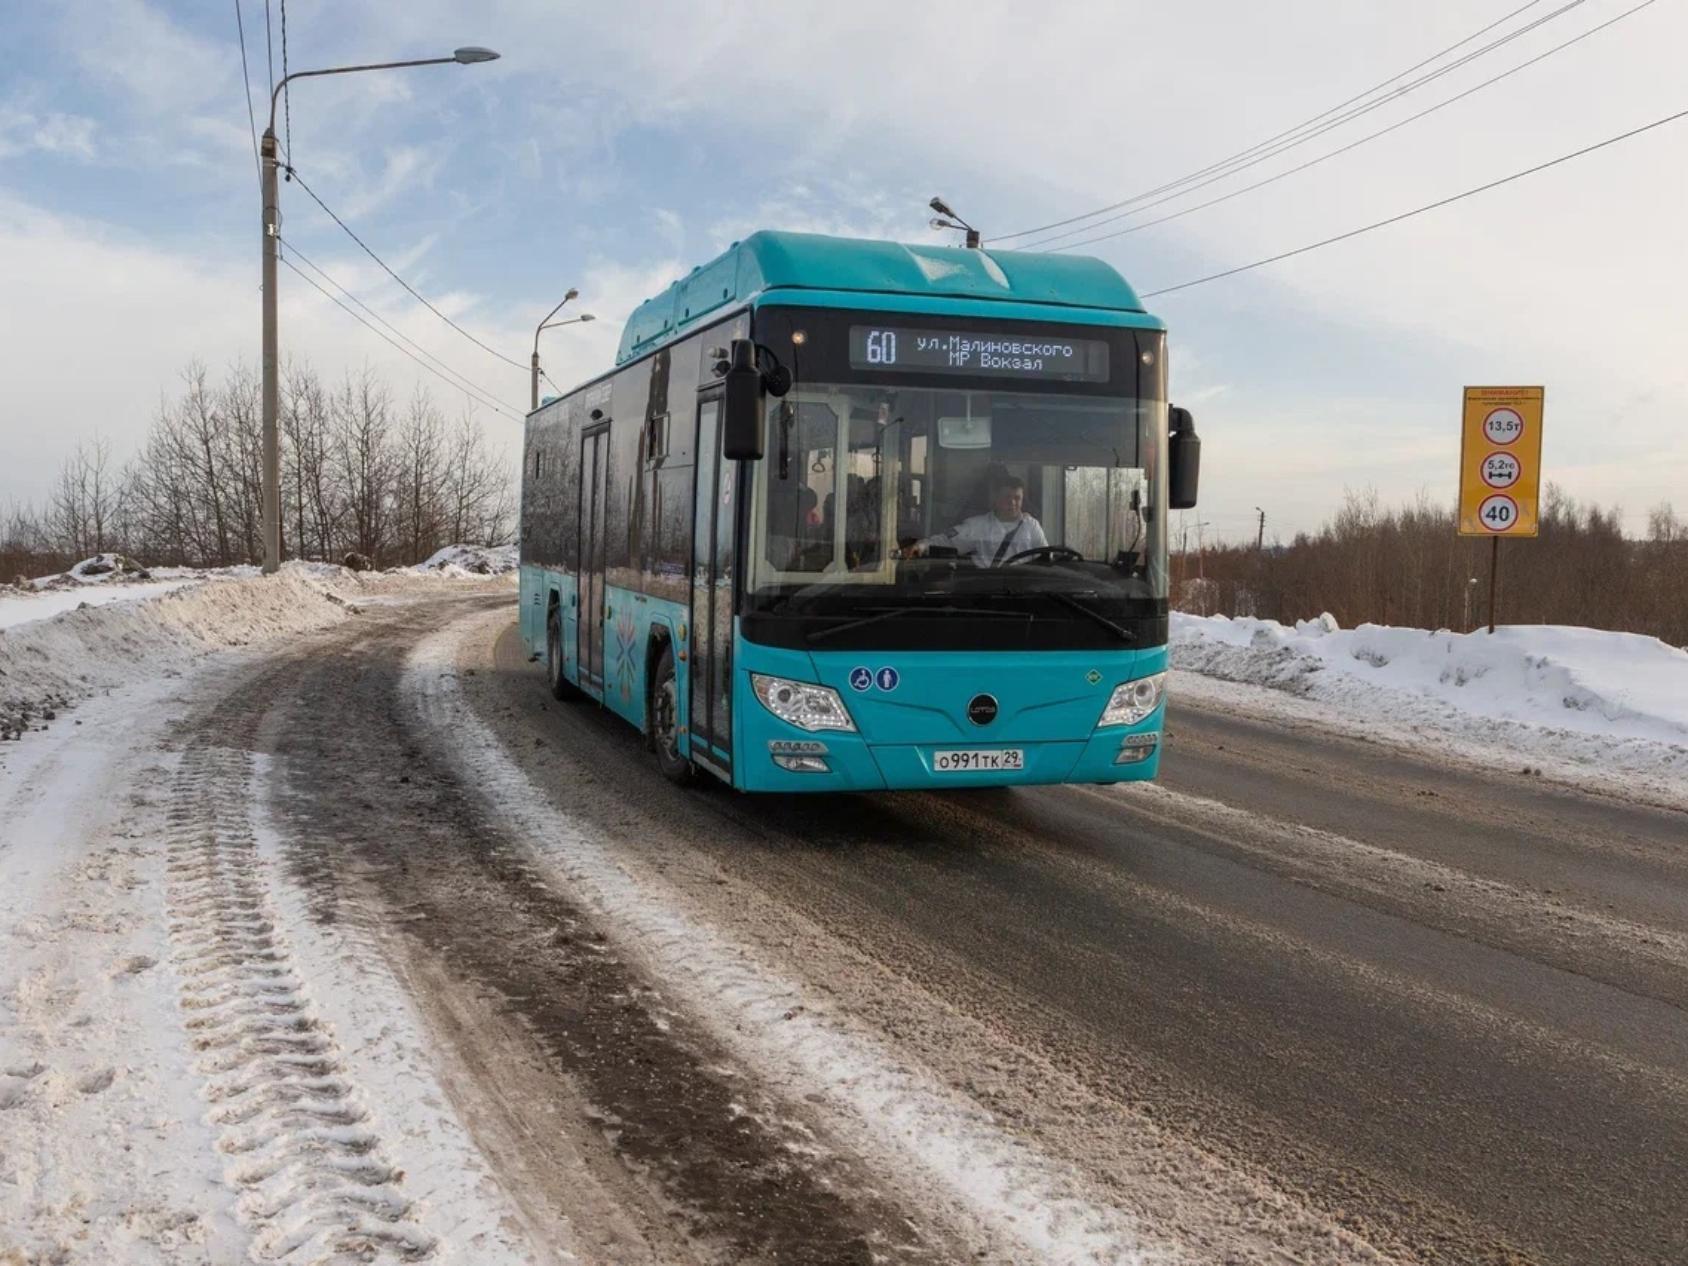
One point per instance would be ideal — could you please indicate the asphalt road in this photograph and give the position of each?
(1444, 1008)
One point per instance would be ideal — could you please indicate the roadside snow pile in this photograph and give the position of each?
(101, 569)
(1586, 696)
(471, 560)
(48, 664)
(103, 579)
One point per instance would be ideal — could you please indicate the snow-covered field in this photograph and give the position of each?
(21, 607)
(1602, 709)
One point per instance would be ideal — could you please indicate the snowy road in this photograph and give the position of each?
(370, 950)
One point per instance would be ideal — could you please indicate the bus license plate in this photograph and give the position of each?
(1003, 758)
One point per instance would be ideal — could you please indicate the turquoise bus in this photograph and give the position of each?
(852, 515)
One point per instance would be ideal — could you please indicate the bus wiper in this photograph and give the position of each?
(891, 613)
(1118, 630)
(1066, 599)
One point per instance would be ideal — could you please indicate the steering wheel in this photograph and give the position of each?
(1052, 553)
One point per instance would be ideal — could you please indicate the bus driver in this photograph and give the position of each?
(994, 537)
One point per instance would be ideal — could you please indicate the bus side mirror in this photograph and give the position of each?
(741, 433)
(1184, 461)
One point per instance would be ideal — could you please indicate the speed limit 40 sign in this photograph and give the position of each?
(1500, 461)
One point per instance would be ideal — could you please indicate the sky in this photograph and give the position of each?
(611, 148)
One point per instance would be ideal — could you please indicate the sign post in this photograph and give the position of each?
(1500, 469)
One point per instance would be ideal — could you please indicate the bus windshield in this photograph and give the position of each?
(1044, 504)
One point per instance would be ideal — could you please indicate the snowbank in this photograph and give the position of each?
(47, 664)
(471, 560)
(104, 579)
(108, 578)
(1583, 697)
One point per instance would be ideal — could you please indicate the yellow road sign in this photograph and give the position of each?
(1500, 461)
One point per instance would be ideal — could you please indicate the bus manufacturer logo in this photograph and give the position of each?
(981, 710)
(1093, 676)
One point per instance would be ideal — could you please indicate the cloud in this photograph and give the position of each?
(134, 313)
(406, 166)
(160, 67)
(670, 227)
(22, 131)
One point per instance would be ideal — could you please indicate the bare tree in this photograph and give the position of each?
(1411, 567)
(26, 545)
(480, 492)
(356, 475)
(420, 476)
(360, 415)
(83, 510)
(239, 404)
(315, 508)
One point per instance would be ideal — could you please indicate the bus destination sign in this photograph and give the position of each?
(1012, 355)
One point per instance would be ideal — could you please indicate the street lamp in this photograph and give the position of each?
(947, 219)
(549, 324)
(272, 229)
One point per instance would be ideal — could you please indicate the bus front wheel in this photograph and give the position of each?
(561, 686)
(665, 720)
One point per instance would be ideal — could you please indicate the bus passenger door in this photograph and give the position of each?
(713, 511)
(594, 490)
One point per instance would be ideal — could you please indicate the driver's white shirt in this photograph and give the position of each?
(981, 536)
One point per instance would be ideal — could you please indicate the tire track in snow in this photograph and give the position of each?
(314, 1187)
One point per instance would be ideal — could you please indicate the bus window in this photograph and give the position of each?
(884, 484)
(799, 509)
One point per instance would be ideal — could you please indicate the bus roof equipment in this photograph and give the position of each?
(855, 272)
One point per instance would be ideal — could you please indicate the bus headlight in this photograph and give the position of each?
(802, 703)
(1133, 701)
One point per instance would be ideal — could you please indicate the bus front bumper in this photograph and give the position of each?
(847, 762)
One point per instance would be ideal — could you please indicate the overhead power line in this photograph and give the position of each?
(300, 181)
(1372, 136)
(463, 381)
(1240, 163)
(1429, 206)
(246, 78)
(1319, 123)
(498, 408)
(286, 92)
(269, 49)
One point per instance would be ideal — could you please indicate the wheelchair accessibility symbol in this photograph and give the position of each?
(861, 679)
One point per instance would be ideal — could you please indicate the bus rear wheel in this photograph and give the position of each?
(561, 686)
(665, 720)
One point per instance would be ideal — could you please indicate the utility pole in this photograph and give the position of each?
(1260, 534)
(272, 386)
(272, 240)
